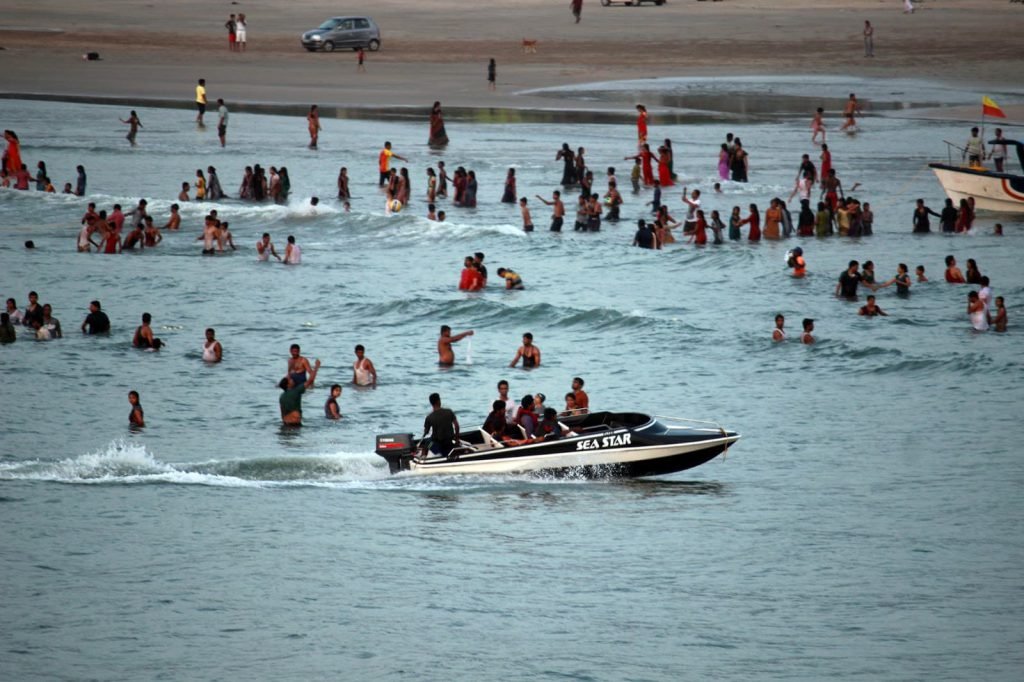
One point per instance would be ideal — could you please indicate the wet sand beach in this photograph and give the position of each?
(438, 49)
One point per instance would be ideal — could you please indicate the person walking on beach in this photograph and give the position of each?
(135, 123)
(577, 8)
(240, 33)
(908, 6)
(817, 127)
(492, 75)
(201, 100)
(313, 121)
(222, 121)
(230, 25)
(360, 60)
(869, 39)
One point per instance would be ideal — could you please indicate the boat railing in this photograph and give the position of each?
(717, 427)
(949, 151)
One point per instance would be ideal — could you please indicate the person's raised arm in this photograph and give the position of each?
(459, 337)
(543, 200)
(312, 374)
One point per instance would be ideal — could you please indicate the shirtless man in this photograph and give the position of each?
(211, 231)
(174, 221)
(558, 212)
(527, 220)
(445, 355)
(292, 252)
(291, 396)
(363, 371)
(298, 366)
(528, 352)
(850, 112)
(265, 248)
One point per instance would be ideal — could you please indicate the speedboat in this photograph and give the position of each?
(991, 190)
(594, 445)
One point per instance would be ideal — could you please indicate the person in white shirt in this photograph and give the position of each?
(292, 252)
(17, 316)
(265, 248)
(693, 203)
(240, 32)
(999, 151)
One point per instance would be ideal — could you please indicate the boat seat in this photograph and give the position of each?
(489, 440)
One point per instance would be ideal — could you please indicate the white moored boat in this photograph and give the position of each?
(991, 191)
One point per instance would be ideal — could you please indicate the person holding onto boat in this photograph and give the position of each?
(443, 427)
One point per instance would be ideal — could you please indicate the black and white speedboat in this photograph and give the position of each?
(599, 444)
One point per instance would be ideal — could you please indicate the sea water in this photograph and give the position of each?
(868, 524)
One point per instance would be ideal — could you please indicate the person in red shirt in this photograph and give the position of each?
(582, 399)
(953, 274)
(700, 234)
(472, 279)
(641, 123)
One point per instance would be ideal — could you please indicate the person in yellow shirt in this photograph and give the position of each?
(384, 163)
(201, 100)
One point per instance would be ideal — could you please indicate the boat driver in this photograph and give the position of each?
(443, 427)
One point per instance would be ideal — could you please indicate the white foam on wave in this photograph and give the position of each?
(128, 462)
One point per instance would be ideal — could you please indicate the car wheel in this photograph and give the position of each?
(374, 45)
(328, 46)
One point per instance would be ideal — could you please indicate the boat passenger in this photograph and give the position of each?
(527, 418)
(496, 425)
(549, 428)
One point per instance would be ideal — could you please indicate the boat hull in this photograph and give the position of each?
(999, 192)
(648, 460)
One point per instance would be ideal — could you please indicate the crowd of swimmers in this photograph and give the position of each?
(834, 213)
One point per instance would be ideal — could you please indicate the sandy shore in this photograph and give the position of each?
(438, 49)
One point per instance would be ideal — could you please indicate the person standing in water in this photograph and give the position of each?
(445, 354)
(291, 396)
(136, 418)
(201, 101)
(557, 211)
(363, 371)
(212, 350)
(313, 122)
(529, 353)
(438, 135)
(331, 409)
(222, 121)
(779, 333)
(850, 112)
(292, 252)
(135, 123)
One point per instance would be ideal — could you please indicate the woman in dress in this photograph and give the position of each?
(739, 163)
(664, 224)
(754, 220)
(723, 162)
(213, 188)
(41, 176)
(431, 186)
(664, 162)
(671, 159)
(700, 234)
(442, 180)
(343, 192)
(734, 224)
(313, 122)
(459, 186)
(469, 196)
(200, 185)
(772, 219)
(641, 124)
(245, 189)
(568, 159)
(13, 153)
(805, 222)
(438, 135)
(646, 157)
(509, 196)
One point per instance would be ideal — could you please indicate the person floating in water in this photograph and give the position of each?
(529, 353)
(445, 354)
(136, 418)
(291, 396)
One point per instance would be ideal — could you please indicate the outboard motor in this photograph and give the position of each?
(398, 449)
